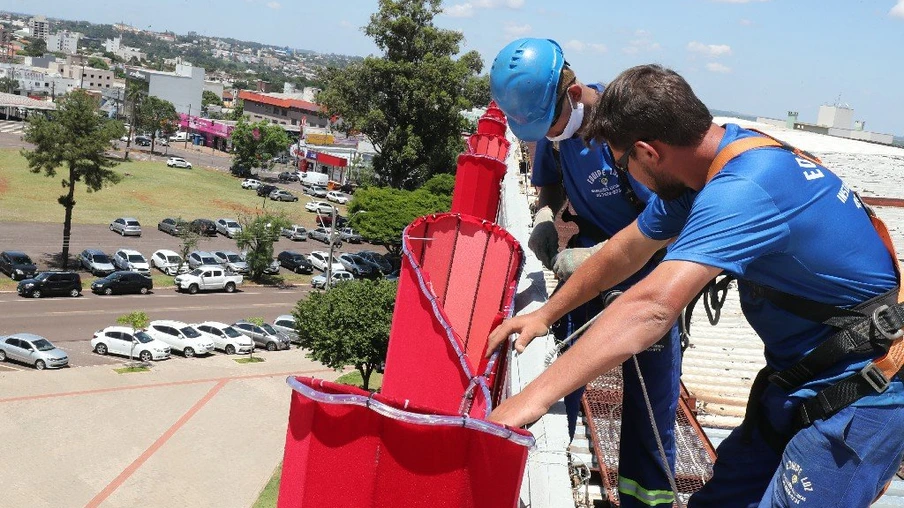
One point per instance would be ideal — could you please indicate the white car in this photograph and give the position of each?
(251, 183)
(168, 262)
(181, 337)
(162, 142)
(226, 338)
(228, 227)
(131, 261)
(178, 162)
(286, 324)
(337, 197)
(319, 207)
(125, 341)
(336, 277)
(318, 259)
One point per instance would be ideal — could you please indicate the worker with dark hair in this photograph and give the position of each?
(818, 281)
(545, 102)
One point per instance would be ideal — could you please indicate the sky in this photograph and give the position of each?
(759, 57)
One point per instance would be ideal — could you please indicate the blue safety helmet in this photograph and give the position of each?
(523, 81)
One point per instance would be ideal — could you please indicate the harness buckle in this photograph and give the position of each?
(875, 319)
(875, 377)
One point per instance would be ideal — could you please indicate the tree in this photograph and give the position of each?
(238, 109)
(135, 93)
(207, 98)
(348, 325)
(155, 114)
(389, 211)
(441, 185)
(256, 238)
(76, 136)
(98, 63)
(36, 47)
(188, 241)
(137, 320)
(255, 144)
(409, 101)
(9, 85)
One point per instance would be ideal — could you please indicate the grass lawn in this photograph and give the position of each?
(268, 496)
(149, 190)
(246, 359)
(129, 370)
(354, 378)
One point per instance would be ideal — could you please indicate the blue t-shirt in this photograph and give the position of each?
(780, 221)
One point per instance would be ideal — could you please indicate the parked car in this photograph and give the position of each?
(32, 350)
(208, 278)
(204, 227)
(337, 197)
(17, 265)
(228, 227)
(349, 235)
(181, 337)
(179, 136)
(283, 195)
(317, 191)
(126, 226)
(319, 207)
(287, 176)
(336, 277)
(142, 141)
(392, 276)
(295, 262)
(169, 262)
(226, 338)
(251, 183)
(295, 232)
(326, 221)
(266, 189)
(323, 235)
(51, 284)
(199, 257)
(162, 142)
(357, 265)
(285, 324)
(126, 341)
(377, 259)
(96, 262)
(319, 260)
(231, 261)
(131, 260)
(264, 336)
(172, 226)
(273, 268)
(122, 283)
(178, 162)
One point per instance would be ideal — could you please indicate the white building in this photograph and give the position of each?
(37, 81)
(39, 27)
(839, 116)
(183, 87)
(65, 42)
(85, 77)
(115, 46)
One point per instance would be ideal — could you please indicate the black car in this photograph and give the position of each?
(122, 282)
(17, 265)
(51, 284)
(265, 190)
(288, 176)
(204, 227)
(171, 226)
(294, 261)
(142, 141)
(378, 260)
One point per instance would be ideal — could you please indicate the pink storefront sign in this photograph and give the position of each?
(204, 126)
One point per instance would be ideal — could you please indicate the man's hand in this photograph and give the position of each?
(567, 261)
(517, 411)
(544, 240)
(528, 327)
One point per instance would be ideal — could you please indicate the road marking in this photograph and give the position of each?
(10, 367)
(137, 463)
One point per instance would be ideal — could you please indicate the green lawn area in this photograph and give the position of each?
(149, 190)
(268, 496)
(354, 378)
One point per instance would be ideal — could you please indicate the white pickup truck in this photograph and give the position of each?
(208, 278)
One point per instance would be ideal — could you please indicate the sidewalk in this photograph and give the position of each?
(192, 432)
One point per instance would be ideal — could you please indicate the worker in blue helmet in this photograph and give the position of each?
(545, 103)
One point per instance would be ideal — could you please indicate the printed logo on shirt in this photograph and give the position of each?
(794, 482)
(603, 183)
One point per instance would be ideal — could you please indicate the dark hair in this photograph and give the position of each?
(648, 102)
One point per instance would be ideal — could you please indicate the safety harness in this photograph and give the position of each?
(871, 329)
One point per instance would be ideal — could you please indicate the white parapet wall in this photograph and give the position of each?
(546, 480)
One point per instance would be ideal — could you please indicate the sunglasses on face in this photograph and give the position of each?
(622, 163)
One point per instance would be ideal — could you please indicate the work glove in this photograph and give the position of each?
(544, 240)
(570, 259)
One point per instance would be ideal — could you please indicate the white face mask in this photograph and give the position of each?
(574, 122)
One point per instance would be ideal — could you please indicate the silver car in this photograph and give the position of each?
(228, 227)
(126, 226)
(231, 261)
(295, 232)
(32, 350)
(285, 324)
(263, 336)
(199, 257)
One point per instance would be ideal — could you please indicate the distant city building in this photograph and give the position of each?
(37, 81)
(215, 87)
(310, 93)
(286, 110)
(183, 87)
(832, 120)
(126, 53)
(40, 27)
(76, 68)
(64, 42)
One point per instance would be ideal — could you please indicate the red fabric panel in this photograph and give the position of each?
(342, 456)
(478, 182)
(490, 125)
(436, 259)
(490, 145)
(494, 112)
(461, 299)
